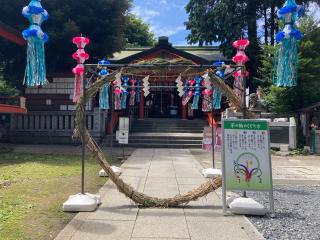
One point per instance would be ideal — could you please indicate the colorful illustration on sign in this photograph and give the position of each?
(247, 155)
(246, 167)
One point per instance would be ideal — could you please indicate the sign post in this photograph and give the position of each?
(246, 164)
(123, 134)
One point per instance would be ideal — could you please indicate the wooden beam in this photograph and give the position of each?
(11, 34)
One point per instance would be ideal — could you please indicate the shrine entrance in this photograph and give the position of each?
(164, 102)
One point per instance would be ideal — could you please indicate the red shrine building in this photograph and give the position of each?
(163, 100)
(51, 114)
(9, 105)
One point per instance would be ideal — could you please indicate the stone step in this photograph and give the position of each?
(163, 145)
(157, 141)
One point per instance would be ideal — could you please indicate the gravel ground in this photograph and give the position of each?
(297, 213)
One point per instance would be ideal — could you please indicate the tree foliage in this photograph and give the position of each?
(103, 21)
(137, 33)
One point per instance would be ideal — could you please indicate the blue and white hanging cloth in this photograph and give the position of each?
(35, 73)
(124, 91)
(196, 94)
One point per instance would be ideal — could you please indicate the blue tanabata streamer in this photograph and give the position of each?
(104, 97)
(104, 92)
(35, 73)
(216, 99)
(196, 94)
(217, 94)
(138, 91)
(286, 53)
(124, 92)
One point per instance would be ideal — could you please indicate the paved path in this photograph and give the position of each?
(295, 170)
(162, 173)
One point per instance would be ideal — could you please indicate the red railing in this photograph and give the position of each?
(16, 104)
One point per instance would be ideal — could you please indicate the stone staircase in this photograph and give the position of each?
(164, 133)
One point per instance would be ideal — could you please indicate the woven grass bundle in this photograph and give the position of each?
(138, 197)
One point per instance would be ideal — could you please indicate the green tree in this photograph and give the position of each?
(137, 33)
(225, 21)
(103, 21)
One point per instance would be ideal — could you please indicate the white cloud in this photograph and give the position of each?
(144, 14)
(164, 2)
(314, 10)
(166, 31)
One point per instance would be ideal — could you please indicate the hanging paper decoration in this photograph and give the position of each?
(138, 93)
(196, 94)
(240, 59)
(206, 101)
(189, 92)
(117, 98)
(125, 93)
(146, 87)
(286, 57)
(104, 92)
(132, 92)
(180, 87)
(35, 74)
(217, 95)
(104, 97)
(80, 56)
(117, 92)
(216, 98)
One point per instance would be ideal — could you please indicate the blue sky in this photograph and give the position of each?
(165, 17)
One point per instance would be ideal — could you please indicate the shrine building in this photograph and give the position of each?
(163, 100)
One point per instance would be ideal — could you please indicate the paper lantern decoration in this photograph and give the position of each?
(196, 94)
(188, 93)
(104, 92)
(35, 74)
(80, 56)
(132, 92)
(286, 63)
(239, 59)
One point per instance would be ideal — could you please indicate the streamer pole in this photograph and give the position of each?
(212, 133)
(83, 133)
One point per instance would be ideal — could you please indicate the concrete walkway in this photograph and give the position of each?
(162, 173)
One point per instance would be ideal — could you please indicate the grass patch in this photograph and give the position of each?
(33, 188)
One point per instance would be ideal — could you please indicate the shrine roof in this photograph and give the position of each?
(200, 55)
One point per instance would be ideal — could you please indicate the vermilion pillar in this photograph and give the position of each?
(141, 106)
(183, 110)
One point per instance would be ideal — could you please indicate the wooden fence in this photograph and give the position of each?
(53, 127)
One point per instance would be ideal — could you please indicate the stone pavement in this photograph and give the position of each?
(161, 173)
(294, 170)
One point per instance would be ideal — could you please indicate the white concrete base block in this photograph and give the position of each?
(102, 173)
(82, 203)
(247, 206)
(116, 170)
(284, 147)
(229, 200)
(211, 172)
